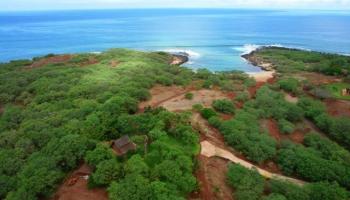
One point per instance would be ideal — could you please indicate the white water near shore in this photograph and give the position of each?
(192, 55)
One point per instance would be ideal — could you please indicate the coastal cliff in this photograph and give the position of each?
(179, 58)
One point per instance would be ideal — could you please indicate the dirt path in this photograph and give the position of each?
(211, 173)
(210, 150)
(291, 99)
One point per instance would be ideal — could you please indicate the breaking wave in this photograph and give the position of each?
(248, 48)
(191, 54)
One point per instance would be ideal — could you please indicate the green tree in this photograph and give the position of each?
(208, 113)
(106, 172)
(224, 106)
(247, 183)
(101, 153)
(327, 191)
(133, 186)
(136, 165)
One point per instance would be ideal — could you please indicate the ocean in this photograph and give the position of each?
(214, 38)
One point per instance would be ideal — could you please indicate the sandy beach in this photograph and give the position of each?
(261, 76)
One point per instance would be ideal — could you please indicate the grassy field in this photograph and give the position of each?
(336, 88)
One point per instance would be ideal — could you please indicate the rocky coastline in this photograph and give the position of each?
(257, 61)
(179, 58)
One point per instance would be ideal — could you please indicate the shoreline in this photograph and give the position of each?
(268, 70)
(179, 58)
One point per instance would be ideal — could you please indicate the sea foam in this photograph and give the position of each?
(191, 54)
(248, 48)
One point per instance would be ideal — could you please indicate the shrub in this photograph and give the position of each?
(207, 84)
(189, 96)
(224, 105)
(248, 184)
(242, 96)
(288, 190)
(197, 107)
(100, 153)
(326, 191)
(274, 197)
(244, 134)
(106, 172)
(312, 108)
(340, 129)
(215, 121)
(289, 85)
(286, 126)
(308, 164)
(328, 149)
(203, 73)
(208, 113)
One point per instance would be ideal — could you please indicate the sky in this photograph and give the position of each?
(13, 5)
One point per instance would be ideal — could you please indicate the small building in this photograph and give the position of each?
(123, 145)
(345, 92)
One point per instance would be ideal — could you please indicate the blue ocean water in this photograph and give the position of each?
(215, 38)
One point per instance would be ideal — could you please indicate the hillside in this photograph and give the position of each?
(283, 138)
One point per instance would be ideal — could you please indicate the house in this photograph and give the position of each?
(123, 145)
(345, 92)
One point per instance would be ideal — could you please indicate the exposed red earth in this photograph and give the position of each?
(76, 187)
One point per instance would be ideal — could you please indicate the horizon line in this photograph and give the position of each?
(176, 8)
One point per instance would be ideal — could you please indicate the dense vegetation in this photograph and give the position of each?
(291, 60)
(54, 114)
(338, 128)
(249, 185)
(163, 170)
(59, 115)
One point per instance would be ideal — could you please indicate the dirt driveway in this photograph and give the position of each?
(210, 150)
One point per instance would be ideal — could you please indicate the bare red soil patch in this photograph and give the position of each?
(339, 108)
(204, 192)
(272, 127)
(160, 94)
(252, 90)
(212, 176)
(317, 78)
(75, 187)
(173, 97)
(50, 60)
(297, 136)
(225, 117)
(231, 95)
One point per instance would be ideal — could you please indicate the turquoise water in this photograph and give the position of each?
(215, 38)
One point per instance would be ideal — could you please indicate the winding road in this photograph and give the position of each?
(210, 150)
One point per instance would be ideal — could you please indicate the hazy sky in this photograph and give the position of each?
(91, 4)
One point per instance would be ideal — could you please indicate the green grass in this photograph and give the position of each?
(335, 90)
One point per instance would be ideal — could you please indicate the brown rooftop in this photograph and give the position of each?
(123, 145)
